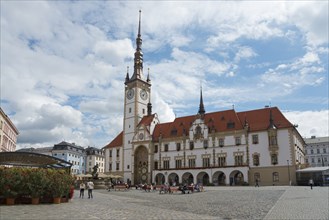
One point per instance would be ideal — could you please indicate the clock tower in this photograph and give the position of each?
(136, 100)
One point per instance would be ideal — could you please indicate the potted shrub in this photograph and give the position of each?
(59, 183)
(12, 181)
(36, 184)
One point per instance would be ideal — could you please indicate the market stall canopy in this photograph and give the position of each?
(32, 160)
(313, 169)
(103, 175)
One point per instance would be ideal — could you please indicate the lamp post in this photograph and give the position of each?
(288, 172)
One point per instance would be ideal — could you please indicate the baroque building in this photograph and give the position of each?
(317, 151)
(8, 133)
(220, 148)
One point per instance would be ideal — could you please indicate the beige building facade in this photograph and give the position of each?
(8, 133)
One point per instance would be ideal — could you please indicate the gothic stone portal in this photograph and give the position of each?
(141, 165)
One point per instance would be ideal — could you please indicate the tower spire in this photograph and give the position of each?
(138, 60)
(201, 106)
(127, 76)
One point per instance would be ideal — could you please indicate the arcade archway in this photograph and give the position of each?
(141, 172)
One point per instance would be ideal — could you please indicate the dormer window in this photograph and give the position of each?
(230, 125)
(173, 132)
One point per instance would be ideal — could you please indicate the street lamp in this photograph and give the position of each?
(288, 172)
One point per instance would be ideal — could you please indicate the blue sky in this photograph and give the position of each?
(63, 63)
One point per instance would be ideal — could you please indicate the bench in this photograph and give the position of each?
(120, 187)
(173, 189)
(162, 188)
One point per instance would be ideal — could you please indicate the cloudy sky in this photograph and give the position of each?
(63, 63)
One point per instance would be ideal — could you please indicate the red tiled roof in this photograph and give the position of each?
(221, 121)
(217, 120)
(260, 119)
(117, 142)
(146, 120)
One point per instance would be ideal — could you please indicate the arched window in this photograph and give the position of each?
(198, 130)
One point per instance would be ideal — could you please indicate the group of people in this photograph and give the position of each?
(90, 186)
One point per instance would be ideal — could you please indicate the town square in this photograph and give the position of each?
(164, 110)
(270, 202)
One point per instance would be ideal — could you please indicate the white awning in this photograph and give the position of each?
(313, 169)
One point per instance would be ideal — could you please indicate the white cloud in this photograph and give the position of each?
(244, 52)
(64, 63)
(114, 52)
(310, 122)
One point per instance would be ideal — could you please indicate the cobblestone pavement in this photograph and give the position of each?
(273, 202)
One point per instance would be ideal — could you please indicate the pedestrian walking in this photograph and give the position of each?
(82, 189)
(257, 183)
(90, 186)
(311, 183)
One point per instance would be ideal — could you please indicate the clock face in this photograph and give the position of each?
(143, 94)
(141, 136)
(130, 94)
(144, 170)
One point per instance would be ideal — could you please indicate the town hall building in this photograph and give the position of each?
(217, 148)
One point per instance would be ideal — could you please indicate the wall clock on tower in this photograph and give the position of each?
(130, 94)
(143, 94)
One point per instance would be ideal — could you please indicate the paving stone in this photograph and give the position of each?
(273, 202)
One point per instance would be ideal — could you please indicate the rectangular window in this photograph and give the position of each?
(166, 164)
(110, 166)
(275, 177)
(237, 141)
(155, 165)
(155, 148)
(166, 147)
(191, 145)
(222, 161)
(238, 160)
(206, 162)
(312, 151)
(118, 165)
(129, 110)
(89, 163)
(221, 142)
(255, 139)
(110, 153)
(178, 164)
(312, 160)
(274, 159)
(178, 146)
(205, 144)
(318, 151)
(256, 160)
(319, 160)
(191, 163)
(324, 150)
(118, 152)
